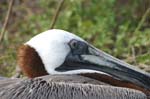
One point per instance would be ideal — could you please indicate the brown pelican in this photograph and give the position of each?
(60, 52)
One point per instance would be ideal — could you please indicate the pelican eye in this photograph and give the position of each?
(78, 47)
(73, 44)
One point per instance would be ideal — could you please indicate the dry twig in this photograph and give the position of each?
(6, 20)
(54, 19)
(142, 20)
(133, 55)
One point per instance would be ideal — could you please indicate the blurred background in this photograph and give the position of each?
(118, 27)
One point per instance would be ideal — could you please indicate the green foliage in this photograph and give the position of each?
(110, 25)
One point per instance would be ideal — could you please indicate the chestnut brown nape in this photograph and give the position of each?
(30, 62)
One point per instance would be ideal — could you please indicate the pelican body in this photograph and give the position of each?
(64, 87)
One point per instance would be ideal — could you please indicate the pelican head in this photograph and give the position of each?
(61, 52)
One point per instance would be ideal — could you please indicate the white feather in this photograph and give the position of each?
(52, 47)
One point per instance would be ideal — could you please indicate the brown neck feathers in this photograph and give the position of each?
(30, 62)
(112, 81)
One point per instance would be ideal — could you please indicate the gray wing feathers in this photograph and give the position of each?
(44, 88)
